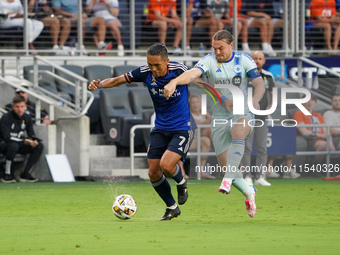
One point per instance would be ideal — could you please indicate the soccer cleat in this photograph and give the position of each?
(225, 187)
(171, 213)
(27, 178)
(182, 192)
(249, 181)
(250, 204)
(8, 178)
(262, 182)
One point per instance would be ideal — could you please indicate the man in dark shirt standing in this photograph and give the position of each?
(13, 126)
(260, 132)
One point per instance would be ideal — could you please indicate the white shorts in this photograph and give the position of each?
(221, 129)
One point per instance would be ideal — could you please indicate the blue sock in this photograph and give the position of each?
(178, 176)
(163, 189)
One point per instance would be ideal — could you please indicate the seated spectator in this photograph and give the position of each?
(205, 139)
(190, 21)
(204, 17)
(161, 18)
(264, 9)
(109, 11)
(316, 137)
(332, 117)
(13, 126)
(245, 11)
(69, 8)
(15, 10)
(323, 14)
(57, 26)
(30, 107)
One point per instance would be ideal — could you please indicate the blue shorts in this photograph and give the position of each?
(176, 141)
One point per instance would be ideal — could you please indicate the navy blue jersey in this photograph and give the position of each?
(172, 114)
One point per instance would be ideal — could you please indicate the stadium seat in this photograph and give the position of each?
(117, 117)
(95, 72)
(123, 69)
(45, 80)
(63, 86)
(146, 119)
(140, 100)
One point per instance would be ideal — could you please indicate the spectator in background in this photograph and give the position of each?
(30, 107)
(205, 17)
(323, 14)
(57, 26)
(15, 10)
(260, 132)
(316, 136)
(332, 117)
(69, 8)
(13, 126)
(265, 25)
(109, 11)
(205, 139)
(163, 14)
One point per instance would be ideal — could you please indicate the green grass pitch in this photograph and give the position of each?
(294, 217)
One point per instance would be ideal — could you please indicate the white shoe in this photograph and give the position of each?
(272, 175)
(262, 182)
(249, 181)
(178, 51)
(104, 47)
(250, 204)
(291, 175)
(120, 50)
(269, 51)
(247, 51)
(188, 50)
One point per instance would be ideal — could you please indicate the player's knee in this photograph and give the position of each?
(154, 175)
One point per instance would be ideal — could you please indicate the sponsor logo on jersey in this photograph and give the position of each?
(218, 68)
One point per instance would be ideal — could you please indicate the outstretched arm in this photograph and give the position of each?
(258, 92)
(107, 83)
(184, 78)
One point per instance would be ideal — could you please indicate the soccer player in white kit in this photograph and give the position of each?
(222, 68)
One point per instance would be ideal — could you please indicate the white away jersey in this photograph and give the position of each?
(234, 72)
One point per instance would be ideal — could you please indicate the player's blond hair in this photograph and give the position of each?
(224, 35)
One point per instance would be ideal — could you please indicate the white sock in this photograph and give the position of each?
(173, 207)
(245, 46)
(249, 193)
(100, 44)
(8, 167)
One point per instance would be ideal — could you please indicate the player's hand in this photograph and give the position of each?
(32, 143)
(169, 89)
(256, 105)
(94, 85)
(228, 104)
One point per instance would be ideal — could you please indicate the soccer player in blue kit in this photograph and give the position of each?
(225, 66)
(174, 128)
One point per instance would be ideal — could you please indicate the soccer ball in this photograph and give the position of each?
(124, 207)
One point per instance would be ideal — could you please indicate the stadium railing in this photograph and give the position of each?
(132, 13)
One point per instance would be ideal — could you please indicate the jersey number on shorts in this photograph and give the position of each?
(181, 142)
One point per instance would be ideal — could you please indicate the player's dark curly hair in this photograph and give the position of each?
(223, 35)
(158, 49)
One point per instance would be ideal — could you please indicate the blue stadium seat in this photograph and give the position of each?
(117, 117)
(140, 100)
(63, 86)
(95, 72)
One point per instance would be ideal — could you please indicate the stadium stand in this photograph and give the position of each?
(63, 86)
(117, 117)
